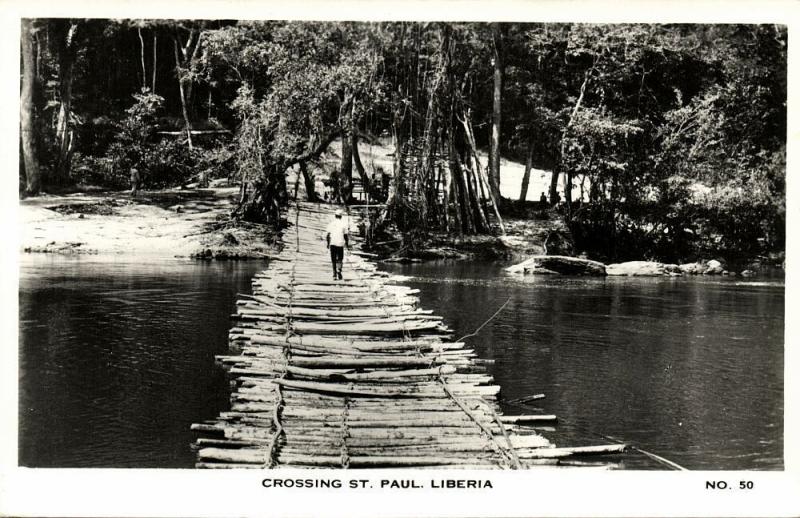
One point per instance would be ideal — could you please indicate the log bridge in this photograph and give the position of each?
(352, 374)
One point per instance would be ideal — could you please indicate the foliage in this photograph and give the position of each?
(133, 145)
(675, 134)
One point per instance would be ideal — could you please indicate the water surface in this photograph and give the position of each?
(689, 368)
(116, 357)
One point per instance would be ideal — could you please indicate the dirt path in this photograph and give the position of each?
(162, 223)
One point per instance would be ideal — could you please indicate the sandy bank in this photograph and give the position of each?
(156, 223)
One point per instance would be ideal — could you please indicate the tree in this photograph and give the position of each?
(33, 183)
(302, 86)
(65, 39)
(642, 117)
(187, 57)
(497, 96)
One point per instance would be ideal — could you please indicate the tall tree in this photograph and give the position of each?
(497, 99)
(27, 113)
(187, 57)
(64, 36)
(526, 176)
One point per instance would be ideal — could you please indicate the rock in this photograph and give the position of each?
(558, 264)
(403, 260)
(433, 253)
(713, 267)
(693, 268)
(229, 239)
(642, 268)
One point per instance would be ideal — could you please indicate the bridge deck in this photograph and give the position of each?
(352, 374)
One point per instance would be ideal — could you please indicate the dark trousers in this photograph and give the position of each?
(337, 256)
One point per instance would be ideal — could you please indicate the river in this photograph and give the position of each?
(116, 357)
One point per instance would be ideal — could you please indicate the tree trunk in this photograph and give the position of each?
(308, 181)
(526, 177)
(345, 187)
(558, 167)
(362, 173)
(262, 198)
(460, 192)
(480, 180)
(386, 213)
(568, 192)
(554, 182)
(63, 138)
(155, 59)
(27, 115)
(495, 205)
(181, 88)
(497, 92)
(481, 223)
(141, 48)
(184, 57)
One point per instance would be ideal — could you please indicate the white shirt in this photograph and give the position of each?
(337, 230)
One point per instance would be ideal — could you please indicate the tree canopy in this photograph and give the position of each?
(673, 135)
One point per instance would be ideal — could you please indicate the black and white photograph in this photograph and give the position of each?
(396, 255)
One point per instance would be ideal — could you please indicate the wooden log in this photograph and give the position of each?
(372, 327)
(376, 461)
(344, 390)
(528, 418)
(244, 456)
(329, 362)
(372, 375)
(224, 465)
(604, 449)
(323, 361)
(230, 443)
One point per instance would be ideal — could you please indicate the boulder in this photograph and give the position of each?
(714, 267)
(558, 264)
(693, 268)
(642, 268)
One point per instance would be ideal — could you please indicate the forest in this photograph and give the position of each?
(674, 136)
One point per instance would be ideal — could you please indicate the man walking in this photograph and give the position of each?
(135, 181)
(336, 240)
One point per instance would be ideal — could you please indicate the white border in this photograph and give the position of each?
(102, 492)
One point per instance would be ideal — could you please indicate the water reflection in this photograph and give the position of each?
(116, 358)
(689, 368)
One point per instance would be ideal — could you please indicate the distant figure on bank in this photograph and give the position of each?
(135, 180)
(543, 199)
(337, 239)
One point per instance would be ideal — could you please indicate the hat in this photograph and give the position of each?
(338, 212)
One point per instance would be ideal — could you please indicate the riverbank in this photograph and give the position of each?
(166, 223)
(193, 223)
(523, 238)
